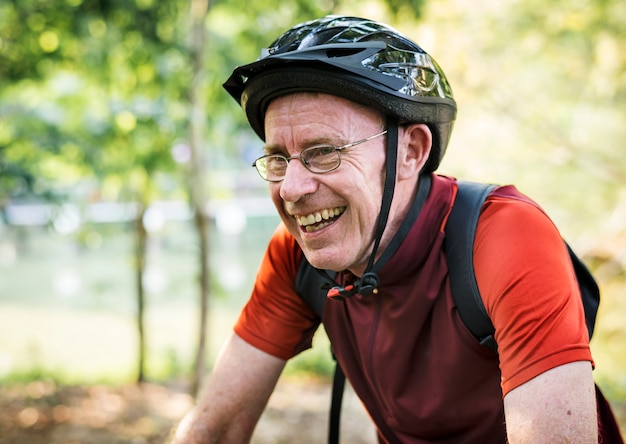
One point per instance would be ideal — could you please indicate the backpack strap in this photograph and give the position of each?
(460, 234)
(459, 245)
(589, 290)
(312, 285)
(334, 417)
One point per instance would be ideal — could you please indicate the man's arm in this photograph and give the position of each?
(559, 405)
(228, 409)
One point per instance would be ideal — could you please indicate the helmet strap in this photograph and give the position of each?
(368, 283)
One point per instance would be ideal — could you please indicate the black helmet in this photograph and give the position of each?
(358, 59)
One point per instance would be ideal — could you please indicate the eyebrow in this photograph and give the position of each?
(271, 149)
(277, 149)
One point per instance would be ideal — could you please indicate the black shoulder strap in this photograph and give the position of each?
(312, 286)
(460, 233)
(589, 290)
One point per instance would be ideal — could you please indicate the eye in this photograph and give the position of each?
(321, 158)
(322, 150)
(275, 163)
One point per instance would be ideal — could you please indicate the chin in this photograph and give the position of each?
(324, 261)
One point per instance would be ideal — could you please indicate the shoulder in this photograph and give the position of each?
(275, 319)
(511, 222)
(518, 246)
(529, 288)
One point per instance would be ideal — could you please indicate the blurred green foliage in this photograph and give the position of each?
(89, 90)
(102, 88)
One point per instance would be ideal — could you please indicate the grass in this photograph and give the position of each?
(82, 347)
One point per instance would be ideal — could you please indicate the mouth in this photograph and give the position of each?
(319, 219)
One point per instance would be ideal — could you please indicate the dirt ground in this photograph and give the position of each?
(43, 413)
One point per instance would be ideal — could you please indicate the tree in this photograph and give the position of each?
(91, 88)
(199, 9)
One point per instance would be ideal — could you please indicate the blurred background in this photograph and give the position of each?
(132, 225)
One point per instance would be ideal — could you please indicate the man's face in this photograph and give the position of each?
(346, 201)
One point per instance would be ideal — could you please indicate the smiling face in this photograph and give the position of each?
(331, 215)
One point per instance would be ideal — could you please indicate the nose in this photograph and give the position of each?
(298, 182)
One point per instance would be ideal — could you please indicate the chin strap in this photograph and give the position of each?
(368, 283)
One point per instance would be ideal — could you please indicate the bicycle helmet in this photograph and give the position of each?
(361, 60)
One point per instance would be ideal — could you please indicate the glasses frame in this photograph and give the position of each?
(306, 163)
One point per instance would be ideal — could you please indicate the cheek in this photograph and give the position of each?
(365, 198)
(373, 184)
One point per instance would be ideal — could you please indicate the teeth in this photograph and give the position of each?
(312, 228)
(319, 216)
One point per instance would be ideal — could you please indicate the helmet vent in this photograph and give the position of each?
(342, 52)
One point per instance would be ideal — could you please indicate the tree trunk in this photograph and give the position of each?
(203, 237)
(141, 237)
(199, 9)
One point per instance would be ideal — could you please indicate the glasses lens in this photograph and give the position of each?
(272, 167)
(321, 159)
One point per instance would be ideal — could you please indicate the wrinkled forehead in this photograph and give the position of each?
(311, 108)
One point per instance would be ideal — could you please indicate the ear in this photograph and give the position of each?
(414, 147)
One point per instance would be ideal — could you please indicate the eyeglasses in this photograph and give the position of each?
(317, 159)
